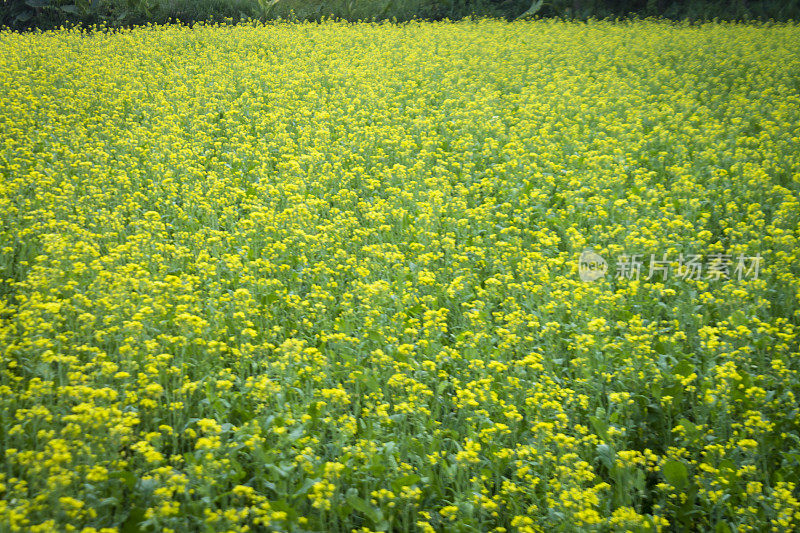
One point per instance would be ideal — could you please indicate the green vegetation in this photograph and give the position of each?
(324, 277)
(53, 13)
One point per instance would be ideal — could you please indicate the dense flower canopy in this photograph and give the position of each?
(306, 277)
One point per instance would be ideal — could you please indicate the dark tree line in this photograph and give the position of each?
(45, 14)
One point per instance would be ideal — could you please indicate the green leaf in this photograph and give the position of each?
(600, 427)
(405, 481)
(607, 456)
(676, 391)
(343, 510)
(691, 430)
(683, 369)
(639, 481)
(675, 473)
(126, 476)
(361, 505)
(146, 485)
(270, 298)
(305, 487)
(722, 527)
(132, 524)
(296, 433)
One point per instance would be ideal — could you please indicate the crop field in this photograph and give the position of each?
(475, 276)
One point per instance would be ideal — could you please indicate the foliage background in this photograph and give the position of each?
(44, 14)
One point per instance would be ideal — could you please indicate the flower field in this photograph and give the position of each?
(328, 277)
